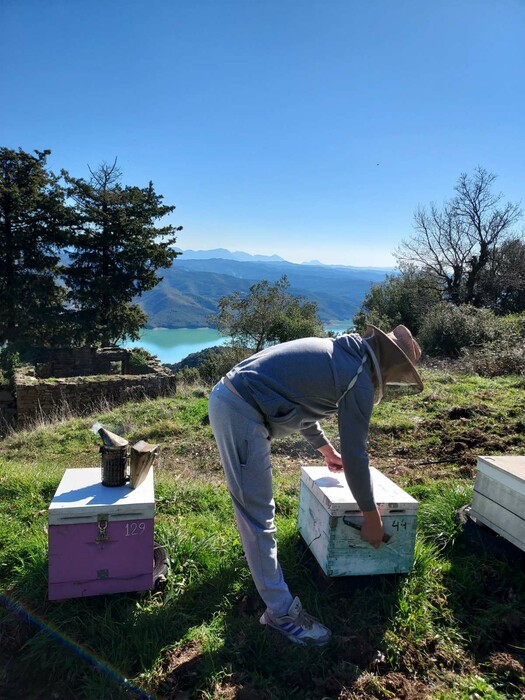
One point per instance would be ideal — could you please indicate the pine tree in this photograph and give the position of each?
(116, 254)
(33, 229)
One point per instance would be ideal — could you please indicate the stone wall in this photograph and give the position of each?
(81, 395)
(83, 362)
(80, 380)
(7, 406)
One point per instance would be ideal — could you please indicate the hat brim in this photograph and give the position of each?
(409, 374)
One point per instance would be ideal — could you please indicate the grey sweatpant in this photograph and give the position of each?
(243, 442)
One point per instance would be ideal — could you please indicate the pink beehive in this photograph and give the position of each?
(100, 537)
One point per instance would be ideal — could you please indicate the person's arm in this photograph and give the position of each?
(314, 434)
(333, 459)
(354, 416)
(372, 528)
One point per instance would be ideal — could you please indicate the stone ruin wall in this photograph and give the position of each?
(86, 361)
(7, 405)
(80, 380)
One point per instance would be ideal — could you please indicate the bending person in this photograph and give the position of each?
(291, 387)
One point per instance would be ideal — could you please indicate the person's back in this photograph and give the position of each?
(299, 382)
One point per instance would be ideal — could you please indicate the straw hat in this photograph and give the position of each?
(397, 352)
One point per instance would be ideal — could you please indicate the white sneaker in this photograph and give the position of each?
(298, 625)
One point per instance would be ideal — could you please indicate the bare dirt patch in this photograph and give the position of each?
(509, 666)
(181, 670)
(392, 685)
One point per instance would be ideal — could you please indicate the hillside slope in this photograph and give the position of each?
(191, 288)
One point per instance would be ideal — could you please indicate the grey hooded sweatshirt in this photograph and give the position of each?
(296, 384)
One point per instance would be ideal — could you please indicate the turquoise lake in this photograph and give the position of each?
(172, 345)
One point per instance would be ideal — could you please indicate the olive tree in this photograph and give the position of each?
(405, 297)
(266, 315)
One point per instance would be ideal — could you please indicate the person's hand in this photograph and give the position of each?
(332, 458)
(372, 529)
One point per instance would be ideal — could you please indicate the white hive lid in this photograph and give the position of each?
(332, 491)
(81, 497)
(509, 470)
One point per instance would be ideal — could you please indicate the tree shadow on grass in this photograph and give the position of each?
(486, 580)
(88, 647)
(258, 662)
(64, 648)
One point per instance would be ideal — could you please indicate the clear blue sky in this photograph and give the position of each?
(307, 128)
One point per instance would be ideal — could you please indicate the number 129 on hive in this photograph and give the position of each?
(134, 528)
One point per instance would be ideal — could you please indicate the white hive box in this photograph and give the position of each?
(499, 496)
(329, 522)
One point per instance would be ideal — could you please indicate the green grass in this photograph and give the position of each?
(453, 628)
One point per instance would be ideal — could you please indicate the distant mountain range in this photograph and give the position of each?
(191, 288)
(225, 254)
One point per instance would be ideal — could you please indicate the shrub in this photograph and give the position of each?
(513, 325)
(494, 359)
(504, 355)
(209, 365)
(140, 360)
(9, 363)
(448, 329)
(217, 365)
(189, 376)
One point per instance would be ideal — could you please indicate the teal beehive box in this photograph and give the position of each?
(330, 520)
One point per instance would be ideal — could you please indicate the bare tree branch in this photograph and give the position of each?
(457, 241)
